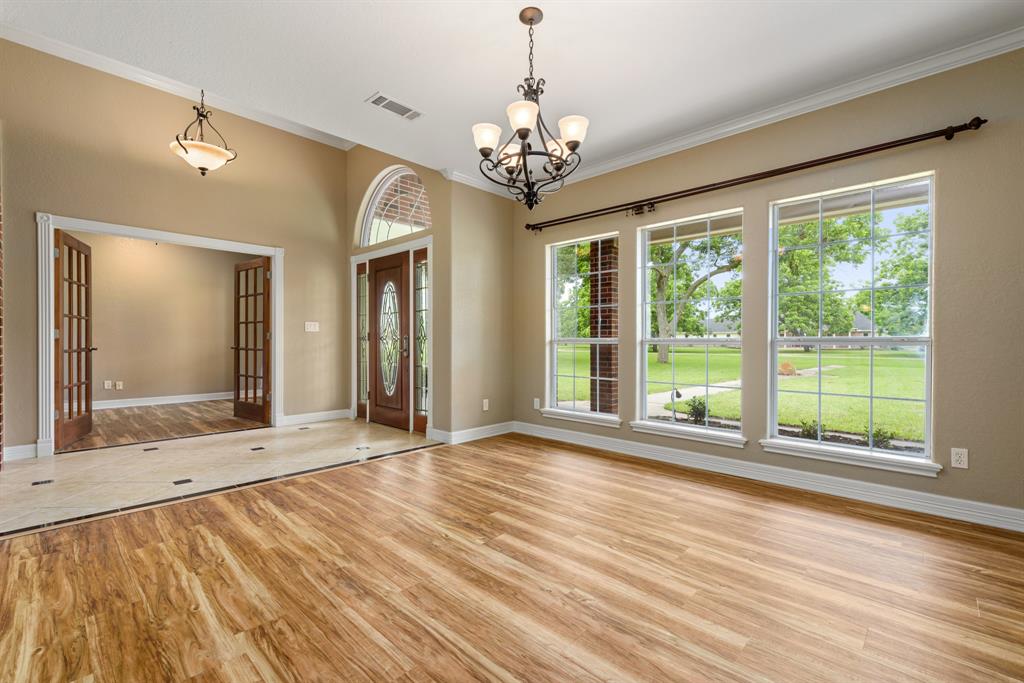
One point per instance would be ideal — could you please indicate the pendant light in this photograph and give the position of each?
(193, 147)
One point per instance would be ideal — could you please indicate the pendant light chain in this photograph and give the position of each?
(531, 50)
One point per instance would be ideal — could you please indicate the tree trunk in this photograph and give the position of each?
(660, 283)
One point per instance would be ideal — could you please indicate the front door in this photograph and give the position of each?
(252, 349)
(389, 395)
(72, 343)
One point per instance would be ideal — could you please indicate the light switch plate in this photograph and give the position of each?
(108, 384)
(118, 385)
(958, 458)
(487, 404)
(312, 326)
(536, 404)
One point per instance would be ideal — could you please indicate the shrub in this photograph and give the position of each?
(787, 369)
(882, 438)
(809, 430)
(697, 409)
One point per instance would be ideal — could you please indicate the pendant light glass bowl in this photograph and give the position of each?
(202, 155)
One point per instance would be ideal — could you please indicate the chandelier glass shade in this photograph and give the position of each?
(191, 144)
(532, 162)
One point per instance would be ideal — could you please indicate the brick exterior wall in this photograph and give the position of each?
(404, 201)
(604, 322)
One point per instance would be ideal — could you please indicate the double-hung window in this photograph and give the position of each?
(851, 344)
(691, 283)
(584, 319)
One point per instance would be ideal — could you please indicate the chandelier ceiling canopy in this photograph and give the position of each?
(532, 162)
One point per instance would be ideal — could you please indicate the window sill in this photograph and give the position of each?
(850, 456)
(719, 438)
(580, 416)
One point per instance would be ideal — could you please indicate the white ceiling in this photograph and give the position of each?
(652, 77)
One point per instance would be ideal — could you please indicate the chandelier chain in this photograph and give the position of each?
(531, 50)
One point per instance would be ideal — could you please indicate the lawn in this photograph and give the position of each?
(898, 374)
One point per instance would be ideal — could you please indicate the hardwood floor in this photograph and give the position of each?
(514, 558)
(142, 424)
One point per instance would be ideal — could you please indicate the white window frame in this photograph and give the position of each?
(713, 435)
(852, 455)
(550, 407)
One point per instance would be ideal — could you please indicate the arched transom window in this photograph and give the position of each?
(399, 206)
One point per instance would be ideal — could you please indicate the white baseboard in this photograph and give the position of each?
(306, 418)
(943, 506)
(466, 435)
(25, 452)
(160, 400)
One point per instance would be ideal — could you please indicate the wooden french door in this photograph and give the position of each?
(389, 391)
(72, 343)
(252, 349)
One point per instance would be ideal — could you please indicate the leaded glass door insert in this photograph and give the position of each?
(389, 342)
(421, 322)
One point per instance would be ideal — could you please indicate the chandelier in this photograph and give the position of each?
(195, 150)
(530, 167)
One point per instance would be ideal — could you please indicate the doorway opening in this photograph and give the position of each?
(393, 315)
(155, 335)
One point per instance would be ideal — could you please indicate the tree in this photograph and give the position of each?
(682, 275)
(799, 270)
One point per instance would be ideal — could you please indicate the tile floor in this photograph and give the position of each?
(109, 479)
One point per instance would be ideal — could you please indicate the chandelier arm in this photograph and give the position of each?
(503, 180)
(223, 141)
(572, 162)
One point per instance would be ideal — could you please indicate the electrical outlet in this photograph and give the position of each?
(958, 458)
(487, 404)
(118, 385)
(536, 404)
(313, 326)
(108, 384)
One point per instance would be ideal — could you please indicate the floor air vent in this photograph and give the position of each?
(397, 108)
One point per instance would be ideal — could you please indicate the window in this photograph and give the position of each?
(398, 206)
(851, 349)
(585, 327)
(691, 282)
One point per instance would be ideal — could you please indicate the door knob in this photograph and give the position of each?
(405, 345)
(93, 348)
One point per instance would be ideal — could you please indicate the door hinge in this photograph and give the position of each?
(268, 274)
(56, 414)
(56, 252)
(56, 334)
(268, 336)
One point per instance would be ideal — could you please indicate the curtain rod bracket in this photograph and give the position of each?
(637, 208)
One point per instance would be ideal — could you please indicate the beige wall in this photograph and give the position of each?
(80, 143)
(482, 331)
(978, 379)
(161, 317)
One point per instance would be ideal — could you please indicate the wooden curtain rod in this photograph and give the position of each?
(641, 206)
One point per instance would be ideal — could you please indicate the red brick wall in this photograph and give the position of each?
(404, 201)
(604, 322)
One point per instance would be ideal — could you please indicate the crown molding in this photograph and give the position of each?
(944, 61)
(478, 182)
(132, 73)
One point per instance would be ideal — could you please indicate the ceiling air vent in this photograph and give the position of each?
(385, 102)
